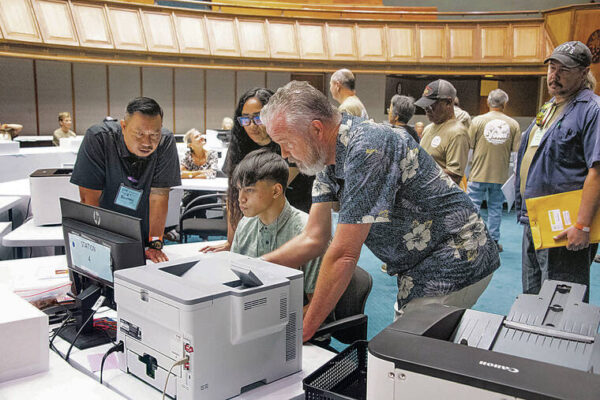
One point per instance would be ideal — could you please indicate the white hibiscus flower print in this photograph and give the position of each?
(343, 132)
(320, 189)
(419, 237)
(369, 219)
(473, 233)
(455, 247)
(405, 286)
(410, 164)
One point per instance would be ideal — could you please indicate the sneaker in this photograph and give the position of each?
(384, 268)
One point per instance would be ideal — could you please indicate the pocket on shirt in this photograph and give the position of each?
(566, 147)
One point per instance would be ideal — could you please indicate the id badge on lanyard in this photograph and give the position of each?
(128, 197)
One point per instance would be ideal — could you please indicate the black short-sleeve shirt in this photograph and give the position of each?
(104, 163)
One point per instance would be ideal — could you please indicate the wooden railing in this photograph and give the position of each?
(117, 32)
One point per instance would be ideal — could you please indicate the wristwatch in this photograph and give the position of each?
(156, 243)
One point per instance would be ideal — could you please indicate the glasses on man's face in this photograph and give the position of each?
(246, 120)
(154, 136)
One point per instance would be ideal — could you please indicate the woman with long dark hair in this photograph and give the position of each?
(249, 134)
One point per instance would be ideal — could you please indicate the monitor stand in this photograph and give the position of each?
(89, 336)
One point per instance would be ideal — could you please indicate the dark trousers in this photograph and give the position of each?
(556, 263)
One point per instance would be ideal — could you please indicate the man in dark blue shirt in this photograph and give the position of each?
(560, 152)
(129, 167)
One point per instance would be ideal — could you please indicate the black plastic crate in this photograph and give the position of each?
(343, 377)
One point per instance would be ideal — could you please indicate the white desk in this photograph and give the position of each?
(22, 164)
(211, 185)
(7, 203)
(29, 235)
(63, 382)
(42, 238)
(18, 187)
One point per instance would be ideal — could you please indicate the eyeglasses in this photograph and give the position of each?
(246, 120)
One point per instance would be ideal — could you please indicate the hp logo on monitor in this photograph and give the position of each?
(96, 216)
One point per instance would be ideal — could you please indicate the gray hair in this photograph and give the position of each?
(345, 77)
(299, 103)
(589, 82)
(187, 138)
(497, 98)
(403, 107)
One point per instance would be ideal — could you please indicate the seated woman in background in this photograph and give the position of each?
(249, 134)
(9, 131)
(198, 162)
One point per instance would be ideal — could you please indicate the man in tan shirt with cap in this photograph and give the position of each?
(445, 139)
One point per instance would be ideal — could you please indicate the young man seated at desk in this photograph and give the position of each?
(269, 220)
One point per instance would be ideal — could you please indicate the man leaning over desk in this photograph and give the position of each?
(129, 167)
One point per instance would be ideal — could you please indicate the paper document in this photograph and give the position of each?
(509, 191)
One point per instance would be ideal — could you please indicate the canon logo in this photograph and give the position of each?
(498, 366)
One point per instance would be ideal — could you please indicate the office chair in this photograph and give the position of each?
(191, 223)
(348, 321)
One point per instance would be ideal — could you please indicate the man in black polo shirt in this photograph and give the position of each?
(129, 167)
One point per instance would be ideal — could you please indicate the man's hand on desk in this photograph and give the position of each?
(216, 248)
(156, 255)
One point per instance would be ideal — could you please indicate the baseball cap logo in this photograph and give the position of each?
(427, 91)
(566, 48)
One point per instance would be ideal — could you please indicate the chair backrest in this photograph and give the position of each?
(351, 303)
(194, 220)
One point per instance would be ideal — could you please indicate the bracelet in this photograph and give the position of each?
(581, 227)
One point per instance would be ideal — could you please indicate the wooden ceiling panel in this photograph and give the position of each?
(461, 44)
(127, 30)
(283, 40)
(432, 43)
(191, 31)
(527, 41)
(341, 40)
(401, 43)
(371, 43)
(56, 24)
(223, 38)
(494, 42)
(18, 22)
(253, 39)
(160, 33)
(92, 25)
(311, 38)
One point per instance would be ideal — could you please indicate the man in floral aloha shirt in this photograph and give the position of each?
(393, 197)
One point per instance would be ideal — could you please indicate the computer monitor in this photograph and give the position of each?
(97, 243)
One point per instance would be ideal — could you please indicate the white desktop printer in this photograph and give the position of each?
(47, 187)
(238, 319)
(546, 348)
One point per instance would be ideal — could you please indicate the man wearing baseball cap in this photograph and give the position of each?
(560, 152)
(446, 139)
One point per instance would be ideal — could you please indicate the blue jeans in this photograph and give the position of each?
(556, 263)
(479, 191)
